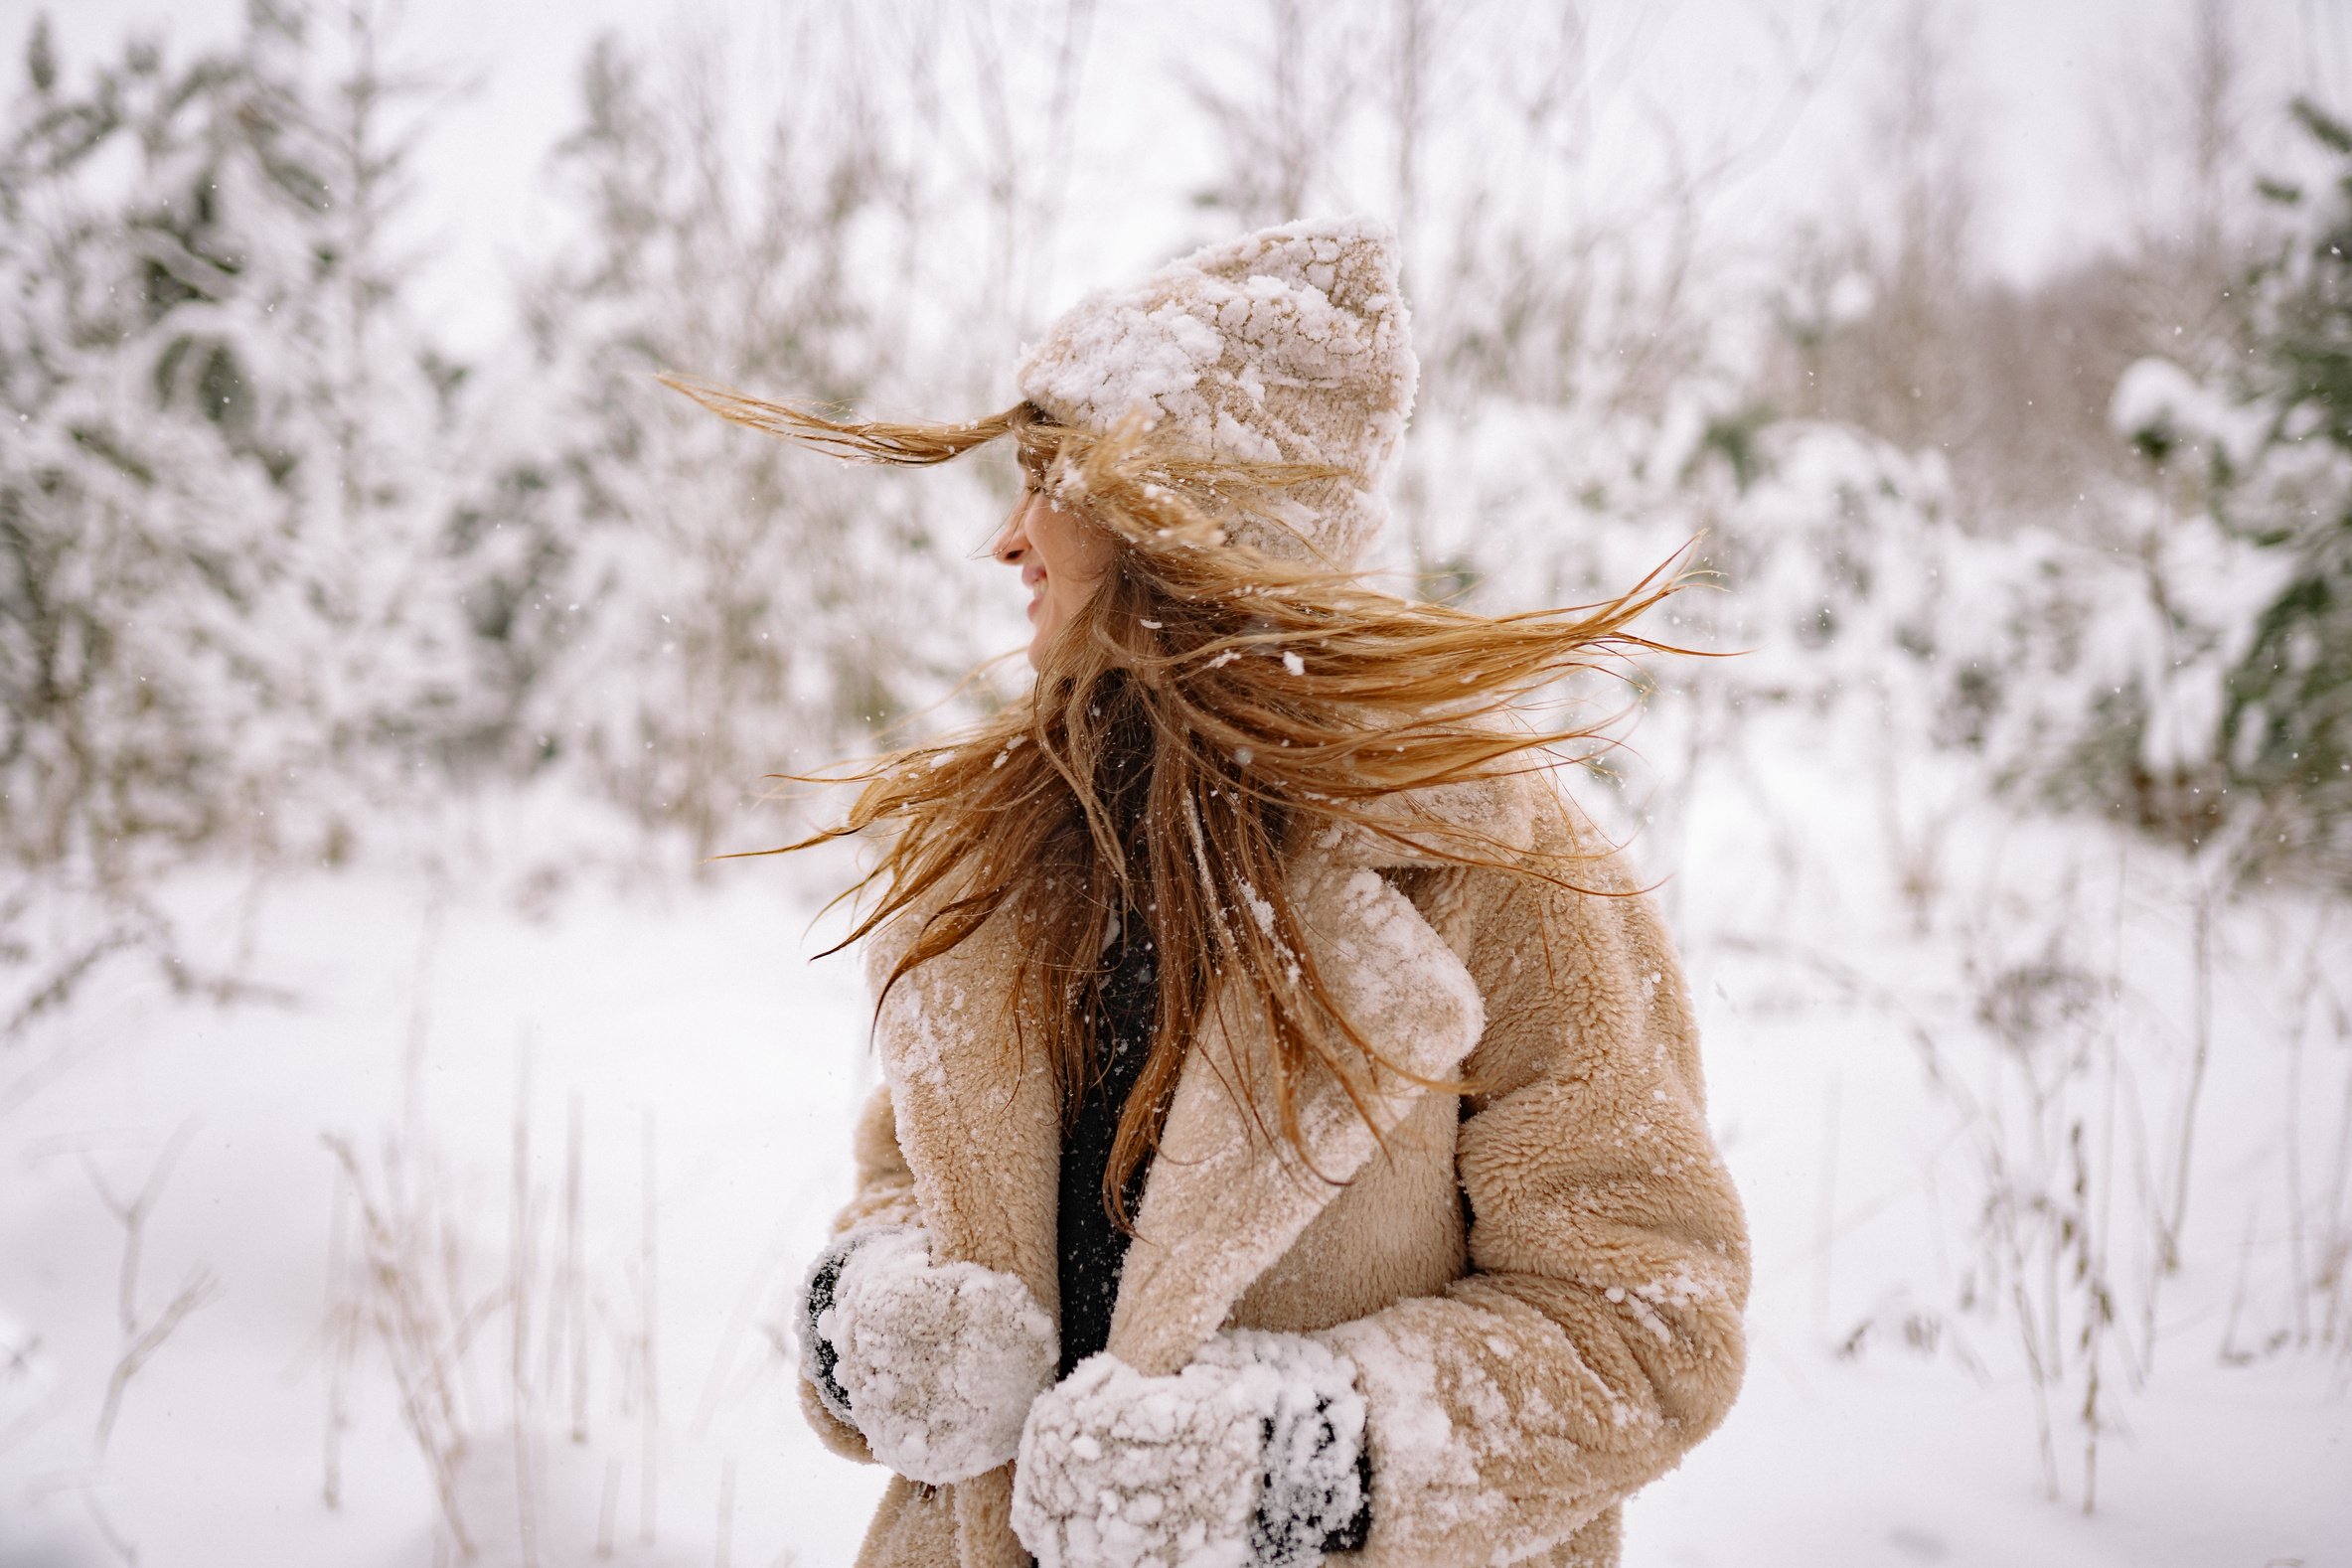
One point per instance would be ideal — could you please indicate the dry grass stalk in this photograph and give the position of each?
(609, 1508)
(2175, 1213)
(649, 1404)
(2231, 1353)
(1828, 1222)
(199, 1289)
(2048, 1126)
(116, 1542)
(2335, 1263)
(567, 1308)
(344, 1317)
(143, 1337)
(424, 1342)
(521, 1270)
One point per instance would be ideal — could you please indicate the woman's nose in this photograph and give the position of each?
(1013, 539)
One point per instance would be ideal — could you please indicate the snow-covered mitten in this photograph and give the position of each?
(818, 1359)
(1251, 1457)
(934, 1364)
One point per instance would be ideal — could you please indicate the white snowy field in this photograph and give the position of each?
(1901, 1081)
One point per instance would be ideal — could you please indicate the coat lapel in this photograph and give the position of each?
(1227, 1196)
(981, 1129)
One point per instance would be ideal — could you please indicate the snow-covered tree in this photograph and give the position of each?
(2286, 726)
(217, 597)
(2226, 708)
(671, 603)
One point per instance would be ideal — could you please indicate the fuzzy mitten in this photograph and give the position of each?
(1252, 1455)
(934, 1364)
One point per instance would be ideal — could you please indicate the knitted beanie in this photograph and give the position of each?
(1287, 345)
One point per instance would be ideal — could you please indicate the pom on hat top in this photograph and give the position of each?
(1287, 345)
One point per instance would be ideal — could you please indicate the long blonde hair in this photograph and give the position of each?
(1267, 699)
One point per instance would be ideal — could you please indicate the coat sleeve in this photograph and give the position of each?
(1597, 1333)
(883, 1195)
(884, 1192)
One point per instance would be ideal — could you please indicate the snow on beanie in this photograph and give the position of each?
(1287, 345)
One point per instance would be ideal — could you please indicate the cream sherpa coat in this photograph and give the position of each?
(1539, 1282)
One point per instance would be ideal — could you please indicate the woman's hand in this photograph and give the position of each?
(1251, 1455)
(934, 1364)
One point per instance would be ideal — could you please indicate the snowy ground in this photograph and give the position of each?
(2046, 972)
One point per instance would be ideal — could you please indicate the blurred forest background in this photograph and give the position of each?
(279, 560)
(2037, 753)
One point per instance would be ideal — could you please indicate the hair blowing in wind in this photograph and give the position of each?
(1210, 711)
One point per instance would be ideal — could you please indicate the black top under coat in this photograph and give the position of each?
(1092, 1248)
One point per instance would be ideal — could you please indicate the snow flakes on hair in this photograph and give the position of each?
(1289, 345)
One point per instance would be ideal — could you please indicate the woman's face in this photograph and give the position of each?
(1061, 560)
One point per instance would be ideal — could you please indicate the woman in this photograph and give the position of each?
(1292, 1140)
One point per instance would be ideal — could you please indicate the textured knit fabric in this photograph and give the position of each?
(1539, 1283)
(935, 1360)
(1244, 1456)
(1289, 343)
(820, 1360)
